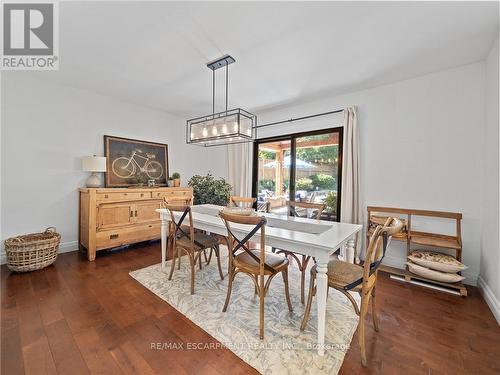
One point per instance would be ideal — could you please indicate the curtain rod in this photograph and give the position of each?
(300, 118)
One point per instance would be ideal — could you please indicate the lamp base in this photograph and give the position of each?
(93, 181)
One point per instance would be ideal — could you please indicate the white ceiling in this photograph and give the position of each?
(154, 53)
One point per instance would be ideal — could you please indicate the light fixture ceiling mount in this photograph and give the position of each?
(222, 128)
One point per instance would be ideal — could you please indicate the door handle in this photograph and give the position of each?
(135, 213)
(113, 236)
(131, 213)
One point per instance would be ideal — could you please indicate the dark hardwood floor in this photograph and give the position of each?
(91, 317)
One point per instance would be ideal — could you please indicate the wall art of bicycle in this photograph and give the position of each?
(131, 162)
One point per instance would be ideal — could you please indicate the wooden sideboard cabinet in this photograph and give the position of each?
(112, 217)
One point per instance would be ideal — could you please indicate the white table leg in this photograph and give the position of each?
(351, 251)
(321, 295)
(342, 254)
(164, 234)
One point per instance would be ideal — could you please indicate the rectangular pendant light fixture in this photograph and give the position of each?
(222, 128)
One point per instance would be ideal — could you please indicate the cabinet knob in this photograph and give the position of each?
(106, 196)
(113, 236)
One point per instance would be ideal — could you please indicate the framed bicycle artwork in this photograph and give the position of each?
(130, 162)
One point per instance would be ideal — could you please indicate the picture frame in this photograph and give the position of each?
(132, 162)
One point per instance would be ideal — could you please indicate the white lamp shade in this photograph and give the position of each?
(94, 164)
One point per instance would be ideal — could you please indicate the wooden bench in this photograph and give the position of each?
(377, 215)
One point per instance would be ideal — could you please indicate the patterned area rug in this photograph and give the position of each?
(285, 349)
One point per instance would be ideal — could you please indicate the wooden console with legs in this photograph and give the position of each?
(113, 217)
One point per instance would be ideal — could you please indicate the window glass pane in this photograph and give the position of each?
(273, 176)
(316, 171)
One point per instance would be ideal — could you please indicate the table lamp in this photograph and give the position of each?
(94, 164)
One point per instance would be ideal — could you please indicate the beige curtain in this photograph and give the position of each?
(240, 168)
(350, 205)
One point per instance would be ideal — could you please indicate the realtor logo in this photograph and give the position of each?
(30, 36)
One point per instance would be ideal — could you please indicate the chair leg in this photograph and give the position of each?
(273, 249)
(287, 293)
(172, 266)
(361, 333)
(229, 289)
(303, 267)
(374, 312)
(199, 259)
(262, 293)
(205, 255)
(192, 262)
(209, 257)
(217, 254)
(307, 311)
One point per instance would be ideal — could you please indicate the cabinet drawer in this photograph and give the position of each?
(124, 236)
(121, 196)
(171, 194)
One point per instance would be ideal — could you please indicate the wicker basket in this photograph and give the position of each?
(32, 251)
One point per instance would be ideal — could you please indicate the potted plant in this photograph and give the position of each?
(209, 190)
(170, 182)
(331, 203)
(177, 179)
(142, 179)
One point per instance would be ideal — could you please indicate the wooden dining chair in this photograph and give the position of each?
(307, 210)
(256, 263)
(236, 201)
(191, 242)
(177, 201)
(346, 277)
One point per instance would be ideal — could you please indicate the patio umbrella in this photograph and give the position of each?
(299, 164)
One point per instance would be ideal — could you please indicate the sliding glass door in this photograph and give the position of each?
(303, 167)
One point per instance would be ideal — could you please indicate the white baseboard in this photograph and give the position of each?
(489, 297)
(64, 247)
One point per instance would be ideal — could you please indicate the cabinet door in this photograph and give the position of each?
(114, 215)
(146, 211)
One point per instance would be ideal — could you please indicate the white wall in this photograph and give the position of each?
(47, 128)
(421, 147)
(490, 254)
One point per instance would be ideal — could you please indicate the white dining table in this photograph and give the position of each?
(316, 238)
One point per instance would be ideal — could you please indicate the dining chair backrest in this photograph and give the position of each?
(178, 201)
(241, 201)
(377, 248)
(236, 244)
(311, 210)
(177, 225)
